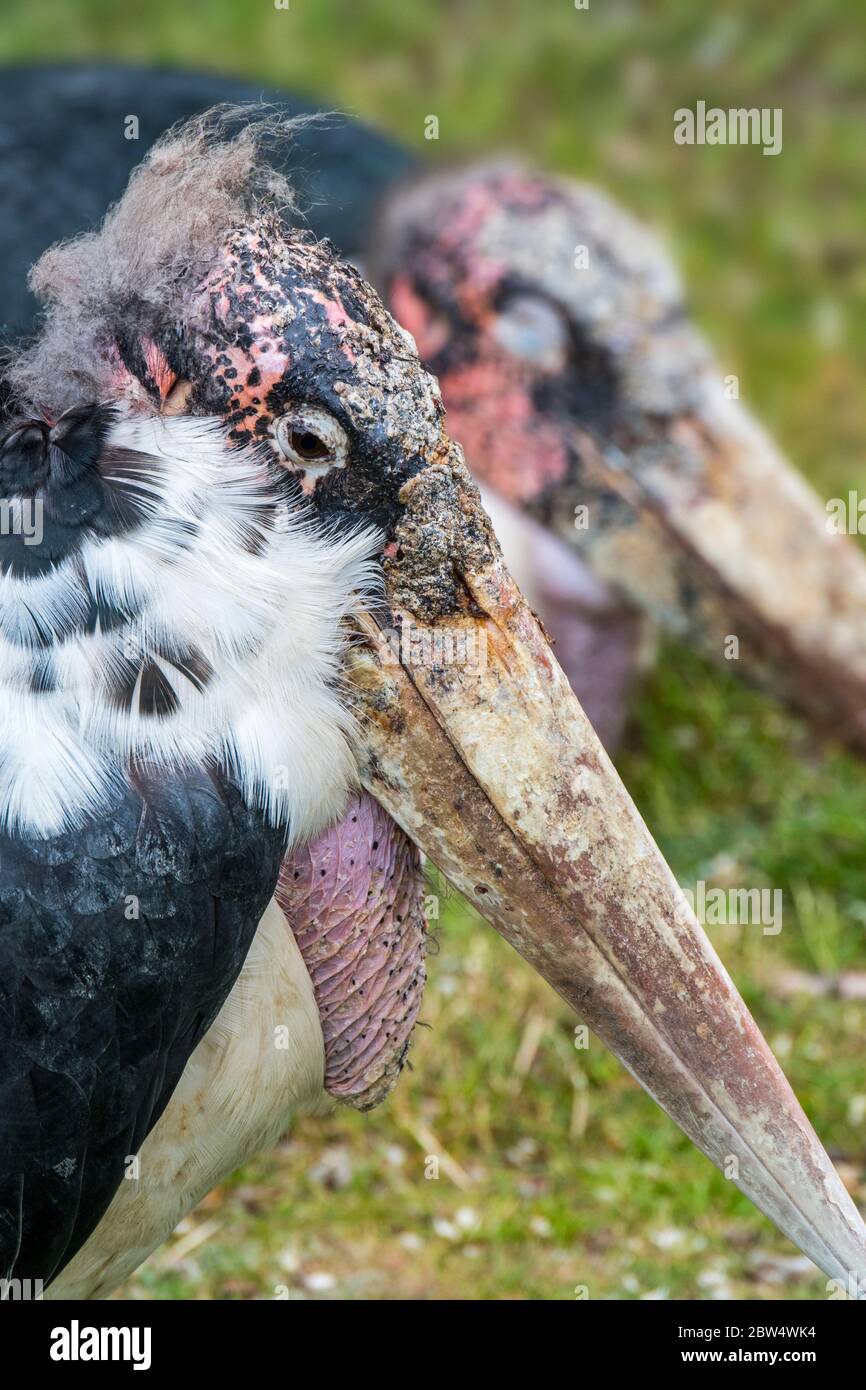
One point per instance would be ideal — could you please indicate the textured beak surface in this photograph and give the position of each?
(474, 742)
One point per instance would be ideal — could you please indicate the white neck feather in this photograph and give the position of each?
(267, 623)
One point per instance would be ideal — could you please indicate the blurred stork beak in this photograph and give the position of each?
(474, 742)
(722, 542)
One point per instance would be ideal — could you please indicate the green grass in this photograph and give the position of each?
(568, 1175)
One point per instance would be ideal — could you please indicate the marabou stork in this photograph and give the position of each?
(172, 721)
(629, 491)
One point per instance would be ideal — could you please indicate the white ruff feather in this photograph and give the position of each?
(269, 625)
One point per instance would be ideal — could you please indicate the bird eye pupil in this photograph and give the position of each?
(309, 445)
(311, 440)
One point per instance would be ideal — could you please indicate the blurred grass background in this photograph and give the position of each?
(557, 1171)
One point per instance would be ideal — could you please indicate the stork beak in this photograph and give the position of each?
(721, 541)
(474, 742)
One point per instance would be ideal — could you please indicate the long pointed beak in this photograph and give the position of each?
(719, 538)
(474, 742)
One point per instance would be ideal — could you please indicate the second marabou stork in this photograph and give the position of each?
(225, 429)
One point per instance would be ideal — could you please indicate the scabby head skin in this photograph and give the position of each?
(197, 296)
(290, 347)
(535, 301)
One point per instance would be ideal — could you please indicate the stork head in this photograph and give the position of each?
(469, 734)
(293, 351)
(581, 391)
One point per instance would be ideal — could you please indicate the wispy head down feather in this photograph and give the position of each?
(202, 179)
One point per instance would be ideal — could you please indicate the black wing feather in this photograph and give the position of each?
(100, 1009)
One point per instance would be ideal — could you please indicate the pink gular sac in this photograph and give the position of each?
(355, 899)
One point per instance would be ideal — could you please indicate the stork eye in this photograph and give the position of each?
(311, 439)
(308, 445)
(533, 329)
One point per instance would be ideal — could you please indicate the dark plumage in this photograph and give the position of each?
(118, 944)
(78, 486)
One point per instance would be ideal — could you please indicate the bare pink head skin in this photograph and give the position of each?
(584, 395)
